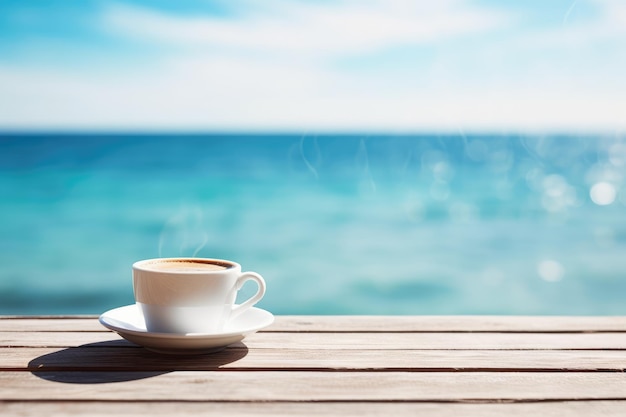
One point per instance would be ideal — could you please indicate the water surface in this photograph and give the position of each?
(337, 224)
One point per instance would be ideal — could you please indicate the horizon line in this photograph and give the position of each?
(308, 132)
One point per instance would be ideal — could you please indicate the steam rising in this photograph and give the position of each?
(363, 167)
(316, 156)
(183, 234)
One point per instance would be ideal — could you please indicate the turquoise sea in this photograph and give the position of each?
(337, 224)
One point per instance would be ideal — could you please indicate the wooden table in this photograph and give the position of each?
(322, 365)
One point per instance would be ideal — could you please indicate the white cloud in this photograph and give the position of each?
(202, 96)
(614, 13)
(296, 27)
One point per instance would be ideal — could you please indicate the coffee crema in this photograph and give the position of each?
(187, 265)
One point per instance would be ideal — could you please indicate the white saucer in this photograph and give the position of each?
(129, 323)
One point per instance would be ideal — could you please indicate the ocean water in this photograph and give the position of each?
(337, 224)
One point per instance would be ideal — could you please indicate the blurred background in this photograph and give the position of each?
(366, 157)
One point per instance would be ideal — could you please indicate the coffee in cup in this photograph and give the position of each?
(191, 295)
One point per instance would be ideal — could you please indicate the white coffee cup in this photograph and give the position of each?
(191, 295)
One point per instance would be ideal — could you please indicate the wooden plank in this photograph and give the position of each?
(312, 409)
(270, 386)
(449, 323)
(239, 357)
(370, 324)
(438, 341)
(32, 324)
(397, 341)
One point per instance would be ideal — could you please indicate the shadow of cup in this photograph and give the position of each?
(120, 361)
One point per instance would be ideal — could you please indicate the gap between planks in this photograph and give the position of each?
(477, 401)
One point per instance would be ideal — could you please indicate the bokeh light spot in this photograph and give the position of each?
(550, 270)
(603, 193)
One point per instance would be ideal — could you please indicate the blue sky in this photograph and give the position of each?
(306, 66)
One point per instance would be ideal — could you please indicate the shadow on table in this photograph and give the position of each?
(119, 361)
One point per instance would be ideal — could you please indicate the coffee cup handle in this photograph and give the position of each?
(248, 276)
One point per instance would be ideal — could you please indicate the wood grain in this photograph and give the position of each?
(328, 365)
(369, 324)
(240, 357)
(314, 409)
(362, 340)
(313, 386)
(533, 324)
